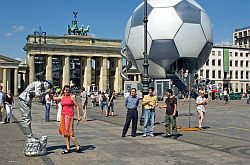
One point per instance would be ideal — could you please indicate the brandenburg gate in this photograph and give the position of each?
(99, 61)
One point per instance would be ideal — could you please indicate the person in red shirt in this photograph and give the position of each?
(68, 101)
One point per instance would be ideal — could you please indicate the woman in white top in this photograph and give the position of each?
(59, 106)
(201, 101)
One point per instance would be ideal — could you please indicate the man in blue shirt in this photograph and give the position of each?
(131, 103)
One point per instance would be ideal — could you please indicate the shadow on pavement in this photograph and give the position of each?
(87, 148)
(51, 149)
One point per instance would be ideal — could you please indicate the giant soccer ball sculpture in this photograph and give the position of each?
(179, 34)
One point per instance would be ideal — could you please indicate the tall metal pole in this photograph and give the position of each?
(145, 78)
(189, 97)
(40, 34)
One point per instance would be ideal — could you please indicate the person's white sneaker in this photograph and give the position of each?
(152, 135)
(144, 135)
(2, 122)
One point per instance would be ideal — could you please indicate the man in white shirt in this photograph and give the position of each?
(201, 101)
(84, 99)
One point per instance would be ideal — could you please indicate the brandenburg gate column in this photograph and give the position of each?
(49, 68)
(103, 75)
(87, 72)
(16, 82)
(31, 68)
(118, 79)
(66, 74)
(4, 80)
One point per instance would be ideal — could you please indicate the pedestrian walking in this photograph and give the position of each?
(171, 110)
(66, 129)
(9, 101)
(225, 93)
(201, 101)
(111, 104)
(182, 73)
(104, 104)
(131, 103)
(149, 102)
(2, 116)
(84, 100)
(47, 106)
(93, 99)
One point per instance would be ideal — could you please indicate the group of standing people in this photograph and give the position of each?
(6, 106)
(68, 101)
(150, 102)
(105, 101)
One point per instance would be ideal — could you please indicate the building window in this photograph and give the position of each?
(219, 74)
(213, 74)
(236, 63)
(247, 63)
(207, 63)
(247, 74)
(213, 62)
(201, 73)
(236, 54)
(219, 53)
(231, 63)
(213, 53)
(245, 33)
(219, 62)
(236, 74)
(242, 74)
(207, 73)
(231, 74)
(241, 54)
(231, 54)
(241, 63)
(247, 54)
(236, 87)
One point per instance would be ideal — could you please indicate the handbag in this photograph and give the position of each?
(176, 113)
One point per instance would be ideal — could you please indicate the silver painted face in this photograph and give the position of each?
(48, 84)
(177, 29)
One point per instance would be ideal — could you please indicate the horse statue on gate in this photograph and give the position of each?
(83, 30)
(74, 30)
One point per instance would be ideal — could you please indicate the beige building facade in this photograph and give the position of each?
(96, 57)
(9, 74)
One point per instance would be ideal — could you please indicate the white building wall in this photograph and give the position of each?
(236, 55)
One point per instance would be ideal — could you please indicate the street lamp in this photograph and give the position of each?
(40, 34)
(145, 82)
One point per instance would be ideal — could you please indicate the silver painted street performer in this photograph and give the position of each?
(33, 146)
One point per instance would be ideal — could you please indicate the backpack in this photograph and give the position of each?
(43, 100)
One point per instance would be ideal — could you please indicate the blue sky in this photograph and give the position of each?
(107, 19)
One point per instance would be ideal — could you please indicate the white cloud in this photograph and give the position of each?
(224, 43)
(18, 28)
(93, 35)
(8, 34)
